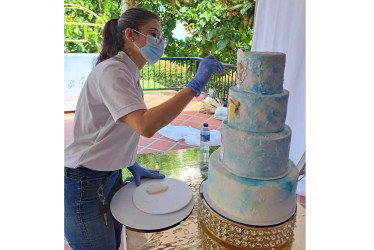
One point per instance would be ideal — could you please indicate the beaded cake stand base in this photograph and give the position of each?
(220, 233)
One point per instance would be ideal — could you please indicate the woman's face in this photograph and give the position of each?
(152, 28)
(134, 40)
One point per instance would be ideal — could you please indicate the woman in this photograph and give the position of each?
(110, 117)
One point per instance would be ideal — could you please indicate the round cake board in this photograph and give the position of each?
(203, 190)
(124, 210)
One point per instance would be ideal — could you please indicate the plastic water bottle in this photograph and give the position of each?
(204, 145)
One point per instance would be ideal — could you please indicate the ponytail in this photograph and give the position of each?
(113, 41)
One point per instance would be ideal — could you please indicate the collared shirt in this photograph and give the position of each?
(101, 141)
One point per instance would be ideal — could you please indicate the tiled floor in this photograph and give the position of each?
(189, 117)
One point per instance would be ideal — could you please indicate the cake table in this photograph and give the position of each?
(184, 165)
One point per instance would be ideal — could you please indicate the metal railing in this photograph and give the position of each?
(173, 73)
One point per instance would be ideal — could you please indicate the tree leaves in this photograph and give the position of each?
(215, 20)
(221, 44)
(218, 28)
(243, 37)
(209, 34)
(224, 31)
(245, 8)
(110, 9)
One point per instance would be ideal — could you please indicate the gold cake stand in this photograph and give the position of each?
(217, 232)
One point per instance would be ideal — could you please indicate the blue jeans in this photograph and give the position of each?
(85, 226)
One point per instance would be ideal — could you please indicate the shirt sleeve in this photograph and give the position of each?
(120, 91)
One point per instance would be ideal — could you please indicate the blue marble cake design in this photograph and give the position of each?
(255, 155)
(254, 112)
(260, 72)
(249, 200)
(250, 177)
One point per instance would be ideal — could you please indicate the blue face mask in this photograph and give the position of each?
(154, 48)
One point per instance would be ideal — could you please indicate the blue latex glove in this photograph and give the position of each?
(139, 172)
(206, 69)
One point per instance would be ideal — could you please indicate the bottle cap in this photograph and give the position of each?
(205, 124)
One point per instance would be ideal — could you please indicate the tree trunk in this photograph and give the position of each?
(127, 4)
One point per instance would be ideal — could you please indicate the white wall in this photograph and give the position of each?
(76, 69)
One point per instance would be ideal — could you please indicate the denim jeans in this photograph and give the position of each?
(85, 226)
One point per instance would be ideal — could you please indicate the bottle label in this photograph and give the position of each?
(205, 138)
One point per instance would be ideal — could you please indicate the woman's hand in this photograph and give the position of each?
(207, 67)
(139, 172)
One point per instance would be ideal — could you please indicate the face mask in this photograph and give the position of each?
(154, 48)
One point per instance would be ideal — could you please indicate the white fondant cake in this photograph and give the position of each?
(250, 200)
(250, 178)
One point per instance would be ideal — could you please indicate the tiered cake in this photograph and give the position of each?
(250, 177)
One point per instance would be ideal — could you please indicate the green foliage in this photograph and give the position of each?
(218, 28)
(106, 9)
(218, 31)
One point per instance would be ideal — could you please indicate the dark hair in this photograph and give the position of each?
(113, 41)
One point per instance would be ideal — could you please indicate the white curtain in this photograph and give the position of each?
(280, 26)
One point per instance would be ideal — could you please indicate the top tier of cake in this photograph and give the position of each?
(260, 72)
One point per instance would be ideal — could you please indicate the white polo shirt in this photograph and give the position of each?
(101, 141)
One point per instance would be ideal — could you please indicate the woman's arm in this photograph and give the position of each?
(148, 121)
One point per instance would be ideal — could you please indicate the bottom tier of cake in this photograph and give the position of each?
(250, 201)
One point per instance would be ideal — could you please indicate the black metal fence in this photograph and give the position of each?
(173, 73)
